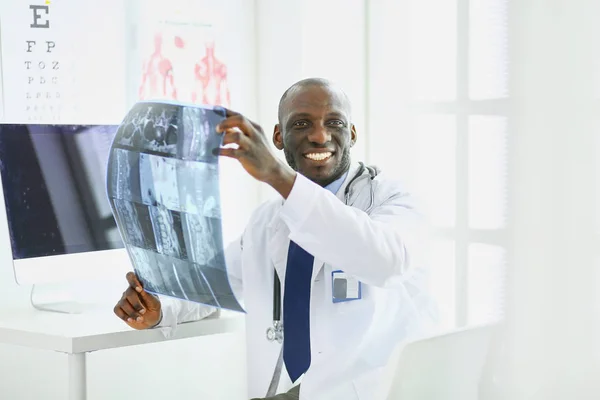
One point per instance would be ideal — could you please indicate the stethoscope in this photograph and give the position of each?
(275, 332)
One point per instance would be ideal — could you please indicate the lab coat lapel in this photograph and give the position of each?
(279, 235)
(279, 243)
(278, 239)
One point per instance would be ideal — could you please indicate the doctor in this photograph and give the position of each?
(344, 242)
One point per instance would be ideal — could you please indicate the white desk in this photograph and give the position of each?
(99, 329)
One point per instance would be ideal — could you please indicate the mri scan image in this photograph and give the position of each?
(163, 187)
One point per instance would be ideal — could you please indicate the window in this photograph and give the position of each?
(435, 166)
(438, 120)
(487, 172)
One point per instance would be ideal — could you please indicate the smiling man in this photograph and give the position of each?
(321, 155)
(344, 242)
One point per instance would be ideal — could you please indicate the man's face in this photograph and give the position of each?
(315, 133)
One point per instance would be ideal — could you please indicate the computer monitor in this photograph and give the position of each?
(59, 220)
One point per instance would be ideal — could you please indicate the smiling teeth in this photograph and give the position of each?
(318, 156)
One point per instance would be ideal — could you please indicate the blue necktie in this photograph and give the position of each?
(296, 311)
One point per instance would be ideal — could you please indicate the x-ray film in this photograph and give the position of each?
(163, 187)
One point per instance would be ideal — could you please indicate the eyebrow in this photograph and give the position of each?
(298, 115)
(333, 114)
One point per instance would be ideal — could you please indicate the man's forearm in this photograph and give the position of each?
(372, 247)
(282, 179)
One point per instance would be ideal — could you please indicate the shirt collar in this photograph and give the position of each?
(334, 186)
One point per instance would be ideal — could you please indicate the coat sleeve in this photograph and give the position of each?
(176, 311)
(373, 247)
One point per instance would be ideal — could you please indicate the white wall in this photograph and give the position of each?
(234, 20)
(311, 38)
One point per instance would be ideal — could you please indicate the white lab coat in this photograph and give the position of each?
(379, 239)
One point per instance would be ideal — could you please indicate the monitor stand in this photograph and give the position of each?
(59, 300)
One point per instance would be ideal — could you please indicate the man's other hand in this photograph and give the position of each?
(138, 308)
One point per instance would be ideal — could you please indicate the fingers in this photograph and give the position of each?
(147, 299)
(132, 311)
(235, 136)
(138, 308)
(133, 281)
(135, 301)
(127, 311)
(230, 113)
(120, 312)
(240, 122)
(229, 152)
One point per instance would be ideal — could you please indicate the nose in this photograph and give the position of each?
(319, 135)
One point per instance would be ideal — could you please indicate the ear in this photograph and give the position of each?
(353, 135)
(277, 137)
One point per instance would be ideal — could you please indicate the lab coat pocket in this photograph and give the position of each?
(351, 319)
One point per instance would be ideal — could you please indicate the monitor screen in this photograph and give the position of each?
(54, 184)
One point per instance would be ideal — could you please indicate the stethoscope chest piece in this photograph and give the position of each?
(275, 333)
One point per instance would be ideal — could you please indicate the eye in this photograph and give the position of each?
(337, 123)
(300, 124)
